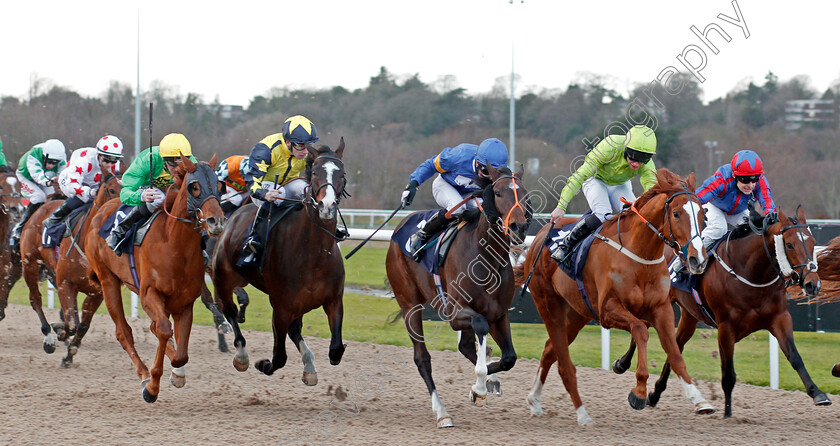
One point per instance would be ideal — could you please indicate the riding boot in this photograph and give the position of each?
(582, 229)
(15, 238)
(432, 227)
(253, 244)
(62, 211)
(118, 232)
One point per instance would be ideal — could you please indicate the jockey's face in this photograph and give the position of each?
(108, 161)
(633, 164)
(171, 163)
(482, 171)
(298, 150)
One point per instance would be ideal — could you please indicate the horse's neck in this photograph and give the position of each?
(319, 231)
(638, 237)
(491, 242)
(748, 258)
(176, 228)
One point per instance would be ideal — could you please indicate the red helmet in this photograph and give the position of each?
(746, 163)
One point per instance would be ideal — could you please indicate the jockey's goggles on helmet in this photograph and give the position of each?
(108, 159)
(637, 156)
(747, 179)
(172, 161)
(482, 169)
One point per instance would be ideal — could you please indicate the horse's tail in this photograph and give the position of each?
(519, 275)
(829, 261)
(394, 317)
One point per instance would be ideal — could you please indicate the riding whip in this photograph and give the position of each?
(151, 166)
(531, 273)
(399, 208)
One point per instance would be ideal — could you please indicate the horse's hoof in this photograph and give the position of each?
(617, 367)
(49, 348)
(240, 366)
(310, 379)
(535, 406)
(478, 400)
(67, 362)
(652, 399)
(704, 408)
(336, 354)
(822, 400)
(264, 365)
(443, 422)
(225, 328)
(147, 396)
(177, 381)
(72, 350)
(636, 402)
(494, 387)
(835, 371)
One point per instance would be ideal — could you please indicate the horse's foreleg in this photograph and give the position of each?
(280, 326)
(335, 315)
(244, 300)
(782, 329)
(663, 322)
(67, 298)
(614, 315)
(413, 318)
(726, 345)
(30, 275)
(89, 307)
(685, 330)
(478, 392)
(113, 301)
(224, 296)
(162, 328)
(500, 331)
(534, 398)
(10, 277)
(310, 373)
(560, 334)
(222, 326)
(623, 363)
(183, 325)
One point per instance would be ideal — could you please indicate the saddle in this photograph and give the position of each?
(277, 213)
(135, 234)
(437, 248)
(51, 237)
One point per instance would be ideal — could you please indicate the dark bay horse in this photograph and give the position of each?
(303, 267)
(626, 278)
(746, 291)
(10, 268)
(170, 269)
(829, 272)
(477, 282)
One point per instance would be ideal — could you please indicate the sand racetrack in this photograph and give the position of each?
(381, 400)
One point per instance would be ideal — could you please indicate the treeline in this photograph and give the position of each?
(395, 123)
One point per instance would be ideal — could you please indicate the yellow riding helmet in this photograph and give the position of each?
(175, 144)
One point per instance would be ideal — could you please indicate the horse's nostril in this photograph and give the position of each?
(693, 263)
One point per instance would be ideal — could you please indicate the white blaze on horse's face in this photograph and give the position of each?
(692, 209)
(327, 205)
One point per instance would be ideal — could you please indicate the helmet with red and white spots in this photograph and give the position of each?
(110, 146)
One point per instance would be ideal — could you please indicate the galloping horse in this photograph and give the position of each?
(626, 279)
(829, 272)
(170, 269)
(746, 291)
(302, 270)
(10, 269)
(476, 306)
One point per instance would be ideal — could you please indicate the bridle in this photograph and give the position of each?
(797, 272)
(194, 204)
(3, 208)
(505, 223)
(310, 202)
(671, 240)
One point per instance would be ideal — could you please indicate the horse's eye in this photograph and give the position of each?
(195, 189)
(676, 214)
(788, 245)
(498, 194)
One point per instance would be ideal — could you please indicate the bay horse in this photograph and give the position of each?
(170, 270)
(303, 267)
(10, 268)
(829, 272)
(626, 279)
(475, 306)
(746, 291)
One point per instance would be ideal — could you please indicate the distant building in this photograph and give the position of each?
(822, 112)
(224, 111)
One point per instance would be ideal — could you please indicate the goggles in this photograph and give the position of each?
(747, 179)
(108, 159)
(637, 156)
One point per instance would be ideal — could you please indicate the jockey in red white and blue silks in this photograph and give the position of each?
(728, 193)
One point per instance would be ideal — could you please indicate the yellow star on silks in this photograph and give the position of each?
(298, 120)
(262, 166)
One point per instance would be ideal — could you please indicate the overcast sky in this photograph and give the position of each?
(237, 50)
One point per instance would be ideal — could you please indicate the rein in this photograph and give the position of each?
(671, 241)
(506, 222)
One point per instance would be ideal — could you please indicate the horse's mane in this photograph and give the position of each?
(668, 183)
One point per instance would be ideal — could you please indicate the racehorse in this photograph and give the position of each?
(477, 306)
(10, 268)
(302, 270)
(626, 280)
(829, 272)
(169, 267)
(746, 291)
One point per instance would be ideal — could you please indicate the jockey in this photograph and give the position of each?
(79, 181)
(461, 171)
(140, 191)
(37, 172)
(231, 173)
(273, 161)
(605, 177)
(728, 194)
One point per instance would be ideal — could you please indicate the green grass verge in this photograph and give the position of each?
(365, 320)
(366, 267)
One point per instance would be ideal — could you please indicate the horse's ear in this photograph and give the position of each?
(800, 214)
(312, 152)
(520, 170)
(214, 160)
(339, 152)
(187, 164)
(494, 173)
(178, 180)
(691, 182)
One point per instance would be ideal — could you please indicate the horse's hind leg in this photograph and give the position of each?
(224, 296)
(113, 301)
(31, 274)
(310, 373)
(561, 335)
(535, 396)
(623, 363)
(335, 316)
(685, 330)
(782, 329)
(414, 326)
(89, 307)
(280, 326)
(222, 326)
(500, 330)
(663, 322)
(835, 371)
(726, 346)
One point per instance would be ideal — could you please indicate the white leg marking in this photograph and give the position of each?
(480, 387)
(443, 418)
(307, 357)
(583, 418)
(695, 397)
(535, 396)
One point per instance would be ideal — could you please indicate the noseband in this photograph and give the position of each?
(797, 272)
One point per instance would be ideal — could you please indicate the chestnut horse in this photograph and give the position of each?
(626, 279)
(10, 269)
(170, 269)
(302, 270)
(477, 306)
(829, 272)
(746, 291)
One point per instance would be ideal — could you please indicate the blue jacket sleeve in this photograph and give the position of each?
(428, 169)
(713, 187)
